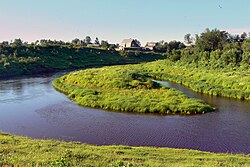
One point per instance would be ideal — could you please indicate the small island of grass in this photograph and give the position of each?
(126, 88)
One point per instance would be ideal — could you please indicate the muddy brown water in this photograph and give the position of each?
(30, 106)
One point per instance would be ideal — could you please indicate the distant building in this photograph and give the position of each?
(151, 45)
(129, 44)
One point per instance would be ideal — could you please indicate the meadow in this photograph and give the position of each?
(23, 151)
(126, 88)
(28, 60)
(130, 87)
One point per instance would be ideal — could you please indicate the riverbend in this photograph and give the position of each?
(30, 106)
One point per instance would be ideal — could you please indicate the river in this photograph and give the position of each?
(30, 106)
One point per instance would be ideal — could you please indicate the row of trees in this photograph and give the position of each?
(87, 41)
(168, 47)
(209, 40)
(215, 48)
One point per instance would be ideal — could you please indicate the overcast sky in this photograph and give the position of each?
(114, 20)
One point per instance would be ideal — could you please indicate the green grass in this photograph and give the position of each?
(22, 151)
(126, 88)
(227, 82)
(25, 60)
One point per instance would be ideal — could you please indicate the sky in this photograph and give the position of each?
(114, 20)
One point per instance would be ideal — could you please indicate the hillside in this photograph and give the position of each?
(26, 60)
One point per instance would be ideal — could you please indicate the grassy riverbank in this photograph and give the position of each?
(22, 151)
(27, 60)
(233, 82)
(126, 88)
(203, 72)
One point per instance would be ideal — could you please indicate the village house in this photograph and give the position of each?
(129, 44)
(151, 45)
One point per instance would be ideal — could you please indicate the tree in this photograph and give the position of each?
(232, 45)
(37, 42)
(87, 40)
(246, 45)
(236, 38)
(211, 40)
(230, 56)
(188, 39)
(76, 41)
(97, 41)
(17, 42)
(246, 58)
(243, 36)
(105, 44)
(43, 42)
(162, 42)
(161, 47)
(4, 44)
(175, 45)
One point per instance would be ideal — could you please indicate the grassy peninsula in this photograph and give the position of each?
(129, 87)
(126, 88)
(23, 151)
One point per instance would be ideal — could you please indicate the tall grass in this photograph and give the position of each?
(126, 88)
(227, 81)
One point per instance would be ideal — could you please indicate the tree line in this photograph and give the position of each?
(87, 41)
(209, 40)
(214, 48)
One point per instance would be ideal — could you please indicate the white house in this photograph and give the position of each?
(129, 44)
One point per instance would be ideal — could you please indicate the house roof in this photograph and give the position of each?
(127, 41)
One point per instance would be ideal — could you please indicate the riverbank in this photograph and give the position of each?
(30, 106)
(22, 151)
(227, 82)
(125, 88)
(28, 60)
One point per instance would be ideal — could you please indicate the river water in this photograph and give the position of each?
(32, 107)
